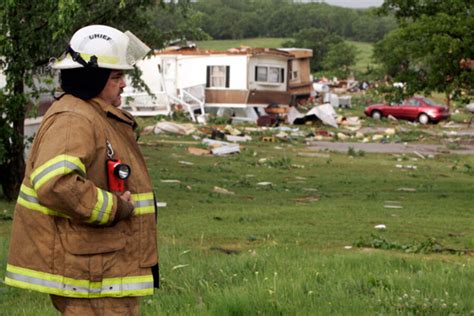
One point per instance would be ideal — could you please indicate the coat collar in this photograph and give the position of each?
(114, 112)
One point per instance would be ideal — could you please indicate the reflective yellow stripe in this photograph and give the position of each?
(103, 207)
(144, 203)
(60, 285)
(29, 199)
(100, 58)
(59, 165)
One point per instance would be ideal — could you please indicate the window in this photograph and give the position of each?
(413, 102)
(269, 74)
(218, 76)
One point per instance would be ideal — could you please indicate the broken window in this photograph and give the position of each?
(218, 76)
(269, 74)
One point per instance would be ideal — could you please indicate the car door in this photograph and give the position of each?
(411, 109)
(396, 110)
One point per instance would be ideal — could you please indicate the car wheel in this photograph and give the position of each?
(423, 119)
(376, 115)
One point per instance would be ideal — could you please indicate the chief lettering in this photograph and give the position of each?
(103, 36)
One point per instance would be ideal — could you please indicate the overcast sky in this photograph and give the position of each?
(356, 3)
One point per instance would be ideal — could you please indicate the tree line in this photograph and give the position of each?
(236, 19)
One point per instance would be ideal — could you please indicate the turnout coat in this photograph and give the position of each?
(64, 237)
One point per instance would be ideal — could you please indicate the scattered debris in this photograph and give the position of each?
(412, 167)
(222, 191)
(380, 227)
(179, 266)
(265, 184)
(187, 163)
(313, 155)
(237, 139)
(161, 204)
(174, 128)
(419, 155)
(220, 148)
(406, 189)
(226, 149)
(199, 151)
(170, 181)
(347, 247)
(268, 139)
(393, 206)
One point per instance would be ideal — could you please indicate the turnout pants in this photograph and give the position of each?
(107, 306)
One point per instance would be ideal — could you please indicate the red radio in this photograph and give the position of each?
(117, 173)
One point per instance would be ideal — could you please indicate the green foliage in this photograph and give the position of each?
(430, 245)
(427, 51)
(340, 57)
(319, 40)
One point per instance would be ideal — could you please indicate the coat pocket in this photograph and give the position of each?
(93, 242)
(89, 255)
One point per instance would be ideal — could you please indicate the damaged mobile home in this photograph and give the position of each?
(237, 80)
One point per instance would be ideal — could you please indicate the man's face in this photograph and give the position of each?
(113, 88)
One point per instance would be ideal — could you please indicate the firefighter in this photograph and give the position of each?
(84, 227)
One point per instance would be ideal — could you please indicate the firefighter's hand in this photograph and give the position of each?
(125, 207)
(127, 196)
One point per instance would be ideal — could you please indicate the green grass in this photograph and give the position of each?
(264, 42)
(279, 249)
(364, 56)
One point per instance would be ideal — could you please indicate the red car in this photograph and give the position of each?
(418, 109)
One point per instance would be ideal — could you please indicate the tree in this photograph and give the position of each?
(339, 58)
(319, 40)
(427, 50)
(32, 32)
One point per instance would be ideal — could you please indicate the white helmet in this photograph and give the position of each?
(103, 47)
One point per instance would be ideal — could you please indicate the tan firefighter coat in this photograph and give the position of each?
(64, 239)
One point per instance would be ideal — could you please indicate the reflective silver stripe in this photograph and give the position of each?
(103, 207)
(29, 198)
(32, 280)
(126, 287)
(60, 164)
(143, 203)
(80, 289)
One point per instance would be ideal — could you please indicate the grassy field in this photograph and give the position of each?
(306, 243)
(364, 56)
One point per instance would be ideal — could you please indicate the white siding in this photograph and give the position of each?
(269, 61)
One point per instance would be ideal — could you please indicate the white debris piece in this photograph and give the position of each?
(237, 139)
(174, 128)
(380, 227)
(325, 113)
(226, 149)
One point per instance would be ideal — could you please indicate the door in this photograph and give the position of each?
(169, 69)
